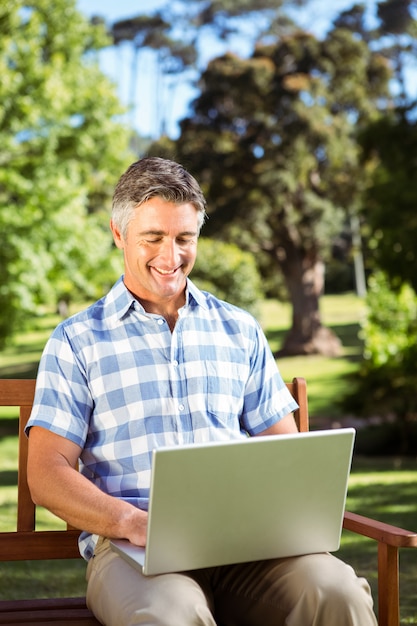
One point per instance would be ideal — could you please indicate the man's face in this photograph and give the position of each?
(159, 250)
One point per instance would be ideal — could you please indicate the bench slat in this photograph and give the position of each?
(50, 616)
(51, 611)
(39, 545)
(18, 392)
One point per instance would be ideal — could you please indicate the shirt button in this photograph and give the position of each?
(175, 363)
(160, 321)
(181, 407)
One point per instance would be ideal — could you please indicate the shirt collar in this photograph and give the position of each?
(194, 294)
(119, 301)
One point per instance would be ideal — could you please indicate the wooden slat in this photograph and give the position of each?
(388, 585)
(381, 532)
(47, 611)
(43, 603)
(300, 395)
(50, 617)
(25, 505)
(39, 545)
(17, 392)
(298, 389)
(390, 539)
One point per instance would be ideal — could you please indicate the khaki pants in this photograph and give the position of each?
(312, 590)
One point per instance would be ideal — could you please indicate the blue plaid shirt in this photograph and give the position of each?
(116, 381)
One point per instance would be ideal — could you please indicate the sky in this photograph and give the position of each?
(145, 116)
(317, 16)
(116, 64)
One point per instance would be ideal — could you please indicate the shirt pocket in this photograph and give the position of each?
(225, 389)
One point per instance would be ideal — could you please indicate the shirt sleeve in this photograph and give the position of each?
(267, 399)
(62, 401)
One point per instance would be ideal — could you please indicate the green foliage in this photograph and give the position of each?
(387, 378)
(227, 272)
(390, 329)
(390, 146)
(59, 148)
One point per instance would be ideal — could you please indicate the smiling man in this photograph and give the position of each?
(158, 362)
(159, 251)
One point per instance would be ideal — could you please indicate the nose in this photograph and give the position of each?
(170, 253)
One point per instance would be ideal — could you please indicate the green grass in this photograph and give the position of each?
(382, 488)
(20, 359)
(21, 580)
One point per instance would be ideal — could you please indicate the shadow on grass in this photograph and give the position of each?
(20, 370)
(9, 427)
(8, 478)
(390, 503)
(347, 333)
(275, 338)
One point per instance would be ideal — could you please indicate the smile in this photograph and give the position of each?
(165, 272)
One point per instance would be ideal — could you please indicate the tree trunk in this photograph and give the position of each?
(304, 277)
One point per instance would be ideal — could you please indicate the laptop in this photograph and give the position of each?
(246, 500)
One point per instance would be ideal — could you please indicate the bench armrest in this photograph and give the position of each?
(381, 532)
(390, 539)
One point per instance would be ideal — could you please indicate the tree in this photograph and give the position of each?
(390, 146)
(59, 148)
(393, 34)
(273, 141)
(384, 385)
(174, 35)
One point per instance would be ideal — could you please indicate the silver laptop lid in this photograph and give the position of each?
(260, 498)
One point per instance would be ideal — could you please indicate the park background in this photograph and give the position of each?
(300, 124)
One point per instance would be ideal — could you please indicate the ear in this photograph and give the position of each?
(117, 235)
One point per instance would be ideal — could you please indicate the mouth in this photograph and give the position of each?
(163, 272)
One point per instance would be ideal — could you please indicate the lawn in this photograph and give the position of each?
(383, 488)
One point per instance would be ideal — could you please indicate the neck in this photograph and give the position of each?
(166, 309)
(171, 320)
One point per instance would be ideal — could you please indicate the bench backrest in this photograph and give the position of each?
(28, 543)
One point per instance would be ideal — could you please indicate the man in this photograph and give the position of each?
(157, 362)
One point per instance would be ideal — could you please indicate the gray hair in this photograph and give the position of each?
(150, 177)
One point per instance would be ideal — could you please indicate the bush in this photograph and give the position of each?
(228, 272)
(386, 384)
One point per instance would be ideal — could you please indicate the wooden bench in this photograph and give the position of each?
(26, 543)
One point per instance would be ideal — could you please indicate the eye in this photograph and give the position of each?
(185, 240)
